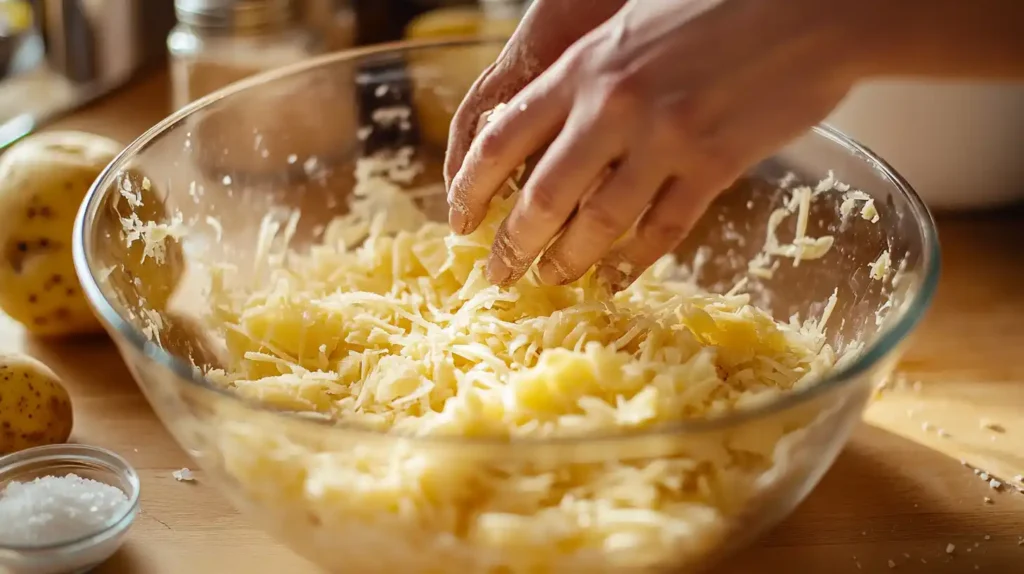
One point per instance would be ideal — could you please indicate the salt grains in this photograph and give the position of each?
(54, 509)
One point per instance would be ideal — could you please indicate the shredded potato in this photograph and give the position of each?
(389, 324)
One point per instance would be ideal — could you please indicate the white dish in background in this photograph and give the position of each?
(960, 145)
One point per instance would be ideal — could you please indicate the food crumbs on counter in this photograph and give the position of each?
(995, 484)
(183, 475)
(892, 564)
(988, 500)
(943, 433)
(987, 537)
(950, 548)
(53, 509)
(994, 427)
(927, 426)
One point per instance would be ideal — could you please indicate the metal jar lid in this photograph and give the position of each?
(247, 14)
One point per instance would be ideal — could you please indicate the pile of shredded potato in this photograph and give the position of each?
(390, 324)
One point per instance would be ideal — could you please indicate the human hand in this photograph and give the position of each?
(678, 98)
(547, 29)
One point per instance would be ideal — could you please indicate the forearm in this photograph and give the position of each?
(948, 39)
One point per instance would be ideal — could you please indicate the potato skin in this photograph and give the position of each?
(35, 408)
(43, 180)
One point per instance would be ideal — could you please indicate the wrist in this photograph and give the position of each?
(875, 33)
(980, 39)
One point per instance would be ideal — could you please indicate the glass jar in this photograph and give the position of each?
(217, 42)
(335, 21)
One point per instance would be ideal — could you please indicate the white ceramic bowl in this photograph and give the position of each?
(960, 145)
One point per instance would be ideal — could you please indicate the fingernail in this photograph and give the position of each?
(611, 278)
(457, 221)
(497, 271)
(550, 272)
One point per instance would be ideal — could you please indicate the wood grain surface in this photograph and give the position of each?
(888, 498)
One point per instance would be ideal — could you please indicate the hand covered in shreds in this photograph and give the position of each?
(642, 120)
(546, 31)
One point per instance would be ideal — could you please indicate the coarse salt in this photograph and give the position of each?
(53, 509)
(183, 475)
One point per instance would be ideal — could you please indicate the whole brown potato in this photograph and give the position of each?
(35, 409)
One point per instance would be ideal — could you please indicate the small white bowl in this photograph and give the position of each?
(84, 553)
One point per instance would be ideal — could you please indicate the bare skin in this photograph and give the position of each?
(644, 111)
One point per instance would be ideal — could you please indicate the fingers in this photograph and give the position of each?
(462, 129)
(569, 168)
(525, 125)
(601, 220)
(672, 215)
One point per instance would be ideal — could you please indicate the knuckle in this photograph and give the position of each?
(662, 229)
(574, 60)
(618, 95)
(665, 136)
(541, 201)
(687, 125)
(718, 160)
(700, 132)
(601, 220)
(489, 144)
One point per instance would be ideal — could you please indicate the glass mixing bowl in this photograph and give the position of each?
(351, 499)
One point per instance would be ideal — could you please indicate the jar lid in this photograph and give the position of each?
(234, 13)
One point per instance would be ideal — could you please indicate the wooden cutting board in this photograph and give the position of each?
(980, 423)
(960, 387)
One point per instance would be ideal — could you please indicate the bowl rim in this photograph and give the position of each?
(888, 338)
(61, 453)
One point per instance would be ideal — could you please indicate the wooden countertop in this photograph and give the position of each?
(886, 498)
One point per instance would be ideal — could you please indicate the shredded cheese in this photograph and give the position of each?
(390, 325)
(880, 267)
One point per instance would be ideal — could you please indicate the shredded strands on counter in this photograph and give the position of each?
(390, 324)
